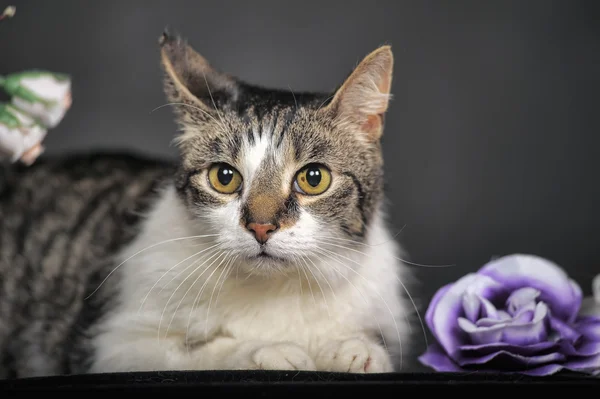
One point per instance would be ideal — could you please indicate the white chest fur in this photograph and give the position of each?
(182, 310)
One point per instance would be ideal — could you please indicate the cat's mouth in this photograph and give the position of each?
(264, 255)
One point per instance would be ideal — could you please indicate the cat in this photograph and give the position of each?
(264, 246)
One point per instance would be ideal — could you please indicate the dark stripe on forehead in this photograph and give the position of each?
(289, 117)
(216, 146)
(259, 112)
(274, 119)
(234, 145)
(250, 135)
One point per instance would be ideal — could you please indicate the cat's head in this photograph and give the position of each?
(278, 173)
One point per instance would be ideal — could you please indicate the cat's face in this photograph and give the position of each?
(282, 177)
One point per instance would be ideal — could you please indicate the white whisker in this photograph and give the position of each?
(171, 269)
(318, 284)
(213, 101)
(357, 290)
(180, 284)
(301, 267)
(376, 293)
(192, 285)
(145, 249)
(362, 253)
(225, 268)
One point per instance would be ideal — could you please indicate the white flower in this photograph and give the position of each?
(9, 12)
(20, 135)
(43, 95)
(591, 305)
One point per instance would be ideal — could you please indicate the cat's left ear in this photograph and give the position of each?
(361, 102)
(190, 79)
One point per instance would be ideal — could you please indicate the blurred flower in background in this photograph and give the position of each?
(39, 101)
(44, 95)
(20, 135)
(591, 305)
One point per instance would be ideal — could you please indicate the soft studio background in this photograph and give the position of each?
(491, 141)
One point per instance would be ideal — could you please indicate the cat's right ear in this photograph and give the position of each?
(190, 79)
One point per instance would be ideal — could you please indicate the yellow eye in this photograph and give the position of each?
(314, 179)
(224, 178)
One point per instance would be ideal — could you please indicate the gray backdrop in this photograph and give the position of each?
(491, 140)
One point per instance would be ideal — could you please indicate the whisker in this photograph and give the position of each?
(231, 266)
(191, 286)
(357, 290)
(377, 293)
(193, 107)
(180, 284)
(300, 283)
(225, 268)
(187, 329)
(213, 101)
(145, 249)
(301, 267)
(295, 102)
(318, 285)
(405, 290)
(212, 251)
(362, 253)
(324, 101)
(168, 271)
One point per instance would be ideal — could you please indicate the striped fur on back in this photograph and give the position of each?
(61, 222)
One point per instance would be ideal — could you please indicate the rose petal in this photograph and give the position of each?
(523, 350)
(521, 298)
(481, 335)
(543, 371)
(446, 307)
(562, 295)
(563, 330)
(589, 328)
(528, 333)
(434, 303)
(471, 306)
(587, 348)
(436, 358)
(502, 315)
(510, 361)
(488, 310)
(489, 322)
(525, 314)
(588, 364)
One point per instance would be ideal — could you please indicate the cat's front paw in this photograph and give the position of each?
(354, 356)
(278, 356)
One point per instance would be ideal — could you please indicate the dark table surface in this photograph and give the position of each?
(277, 383)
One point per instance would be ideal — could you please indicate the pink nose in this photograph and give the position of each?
(262, 231)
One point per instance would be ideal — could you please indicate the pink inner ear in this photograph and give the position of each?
(372, 126)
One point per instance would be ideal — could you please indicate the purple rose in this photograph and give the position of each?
(517, 314)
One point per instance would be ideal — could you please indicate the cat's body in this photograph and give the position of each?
(265, 246)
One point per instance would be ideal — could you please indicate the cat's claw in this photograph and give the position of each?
(282, 356)
(354, 356)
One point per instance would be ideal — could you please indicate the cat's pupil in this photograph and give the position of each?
(313, 176)
(225, 175)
